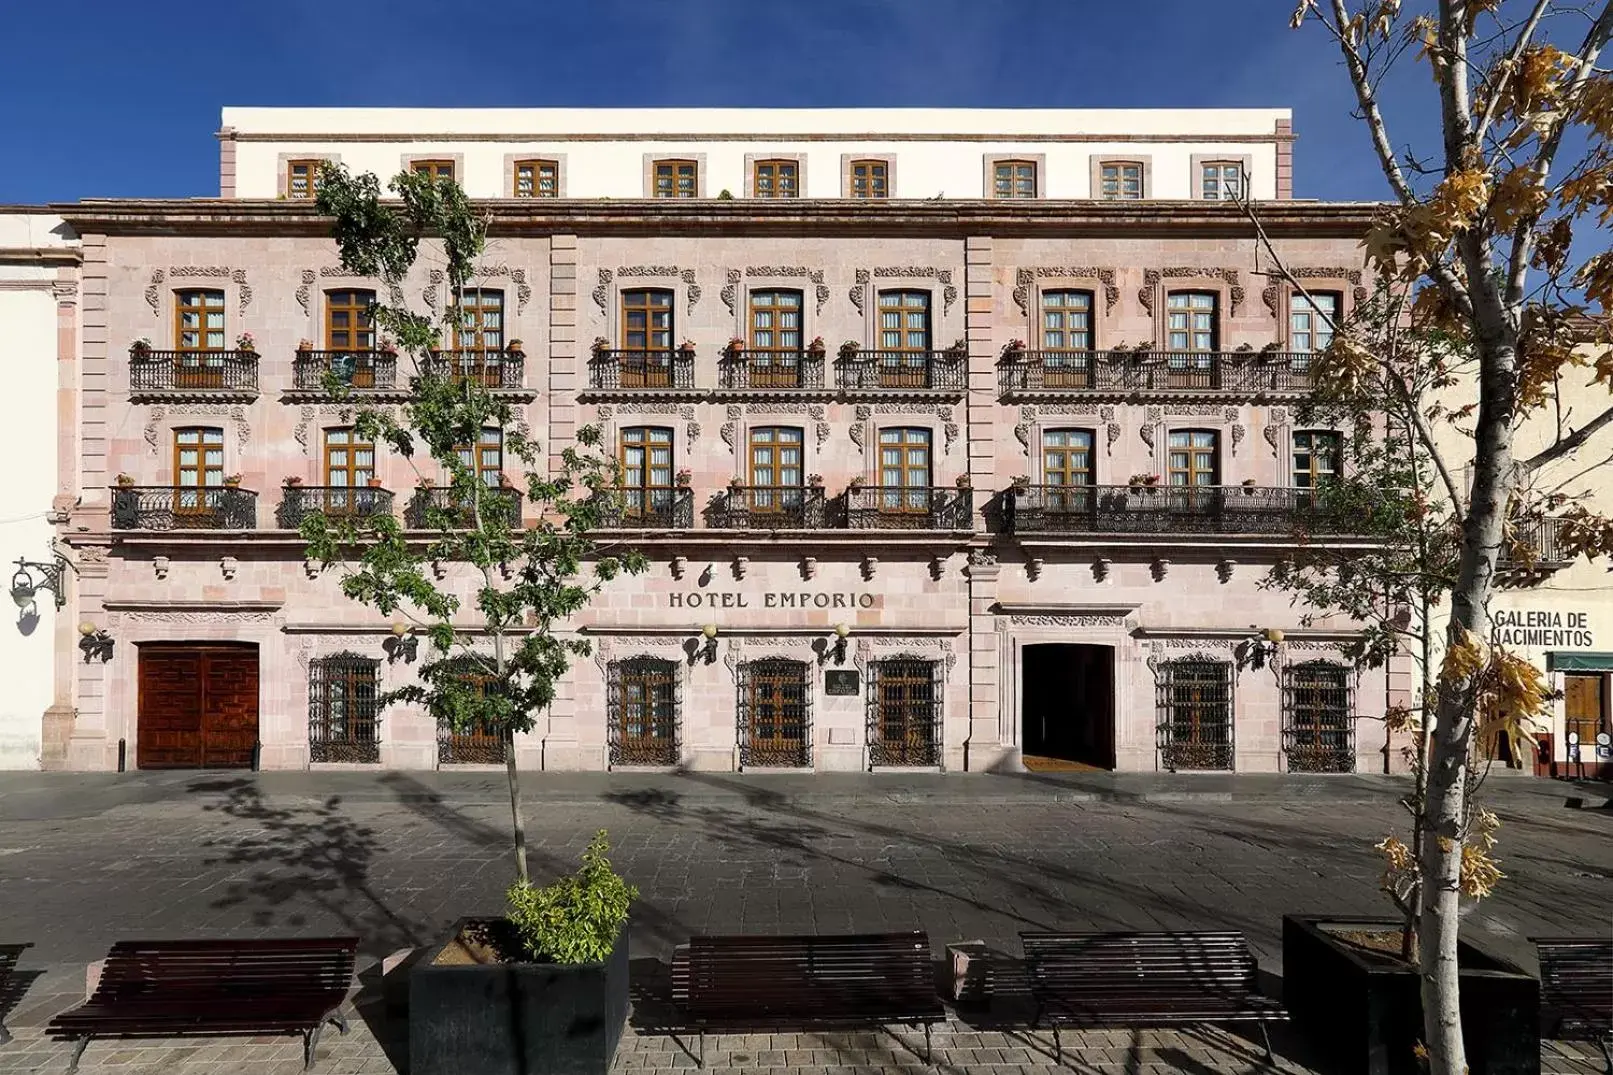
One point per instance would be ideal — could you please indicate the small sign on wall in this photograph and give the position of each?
(840, 681)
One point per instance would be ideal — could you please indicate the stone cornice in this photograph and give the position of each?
(638, 216)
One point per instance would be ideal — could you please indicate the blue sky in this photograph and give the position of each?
(125, 97)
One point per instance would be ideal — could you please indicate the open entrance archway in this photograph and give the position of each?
(1067, 708)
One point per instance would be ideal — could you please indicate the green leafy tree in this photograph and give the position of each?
(495, 657)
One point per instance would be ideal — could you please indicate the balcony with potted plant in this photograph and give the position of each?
(194, 375)
(323, 374)
(635, 372)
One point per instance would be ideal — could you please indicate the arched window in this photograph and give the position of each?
(1013, 179)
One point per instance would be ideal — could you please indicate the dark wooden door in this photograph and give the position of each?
(198, 706)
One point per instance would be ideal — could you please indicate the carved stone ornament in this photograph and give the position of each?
(949, 293)
(304, 288)
(1273, 290)
(858, 288)
(233, 411)
(602, 291)
(982, 558)
(160, 566)
(1152, 417)
(1152, 278)
(1112, 430)
(523, 291)
(436, 279)
(1238, 433)
(876, 648)
(607, 649)
(1276, 426)
(1024, 278)
(154, 291)
(205, 272)
(799, 272)
(310, 413)
(1117, 621)
(730, 291)
(858, 430)
(1022, 433)
(195, 616)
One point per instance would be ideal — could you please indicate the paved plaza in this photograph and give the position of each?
(396, 857)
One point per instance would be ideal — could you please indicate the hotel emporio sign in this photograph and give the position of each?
(776, 599)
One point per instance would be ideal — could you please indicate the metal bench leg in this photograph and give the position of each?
(1058, 1047)
(1607, 1054)
(701, 1062)
(5, 1035)
(78, 1051)
(1265, 1033)
(338, 1020)
(310, 1042)
(927, 1054)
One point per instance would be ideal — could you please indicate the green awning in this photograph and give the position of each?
(1579, 662)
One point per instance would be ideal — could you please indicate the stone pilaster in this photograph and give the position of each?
(226, 162)
(984, 747)
(557, 748)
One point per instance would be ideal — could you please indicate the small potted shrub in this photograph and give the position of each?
(1020, 483)
(682, 478)
(686, 347)
(543, 989)
(140, 348)
(1014, 350)
(387, 346)
(857, 484)
(375, 483)
(736, 485)
(959, 348)
(600, 345)
(1248, 487)
(963, 481)
(293, 481)
(815, 481)
(1139, 482)
(514, 346)
(246, 344)
(849, 349)
(733, 347)
(125, 481)
(232, 481)
(817, 346)
(305, 344)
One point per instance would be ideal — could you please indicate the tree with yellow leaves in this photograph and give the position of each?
(1479, 242)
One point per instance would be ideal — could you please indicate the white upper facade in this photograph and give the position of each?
(1150, 154)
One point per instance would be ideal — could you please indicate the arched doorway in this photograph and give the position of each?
(1067, 710)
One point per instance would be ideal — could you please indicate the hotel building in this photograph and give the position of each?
(953, 438)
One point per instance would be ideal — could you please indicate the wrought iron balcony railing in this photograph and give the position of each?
(446, 509)
(220, 507)
(179, 372)
(1164, 509)
(1536, 545)
(360, 371)
(490, 369)
(334, 502)
(772, 369)
(647, 509)
(892, 507)
(1155, 371)
(769, 507)
(612, 371)
(911, 370)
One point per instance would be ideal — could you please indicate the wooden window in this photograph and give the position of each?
(1121, 180)
(1311, 322)
(537, 179)
(302, 178)
(904, 469)
(479, 320)
(775, 179)
(904, 339)
(645, 454)
(1195, 713)
(675, 178)
(199, 320)
(642, 704)
(1066, 468)
(905, 723)
(1195, 457)
(434, 168)
(1067, 339)
(776, 468)
(870, 179)
(344, 711)
(774, 712)
(198, 468)
(774, 350)
(1194, 324)
(646, 331)
(487, 456)
(349, 324)
(481, 743)
(1221, 181)
(349, 460)
(1318, 722)
(1316, 457)
(1013, 179)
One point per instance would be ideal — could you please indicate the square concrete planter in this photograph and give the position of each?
(1365, 1014)
(516, 1018)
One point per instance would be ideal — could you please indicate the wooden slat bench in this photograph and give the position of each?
(168, 989)
(9, 955)
(1144, 980)
(1576, 991)
(756, 983)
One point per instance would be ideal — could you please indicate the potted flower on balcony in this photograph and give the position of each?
(849, 349)
(1248, 487)
(815, 481)
(817, 346)
(1014, 350)
(736, 485)
(542, 989)
(293, 481)
(387, 346)
(600, 345)
(232, 481)
(733, 347)
(125, 481)
(686, 347)
(246, 344)
(959, 348)
(305, 344)
(1139, 482)
(514, 346)
(682, 478)
(140, 348)
(963, 481)
(1019, 483)
(374, 483)
(857, 484)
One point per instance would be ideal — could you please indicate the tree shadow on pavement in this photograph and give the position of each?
(306, 866)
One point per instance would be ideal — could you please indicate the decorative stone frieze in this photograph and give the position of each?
(1024, 278)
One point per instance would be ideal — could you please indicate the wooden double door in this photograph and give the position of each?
(198, 705)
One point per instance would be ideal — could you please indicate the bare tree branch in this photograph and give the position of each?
(1567, 444)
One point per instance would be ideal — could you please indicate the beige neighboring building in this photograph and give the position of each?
(956, 440)
(39, 257)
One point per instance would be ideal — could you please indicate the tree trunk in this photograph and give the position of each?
(1440, 856)
(518, 824)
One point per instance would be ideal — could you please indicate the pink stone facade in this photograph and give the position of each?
(967, 598)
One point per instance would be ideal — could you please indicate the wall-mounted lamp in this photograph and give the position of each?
(402, 645)
(94, 642)
(1260, 647)
(841, 633)
(709, 649)
(23, 587)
